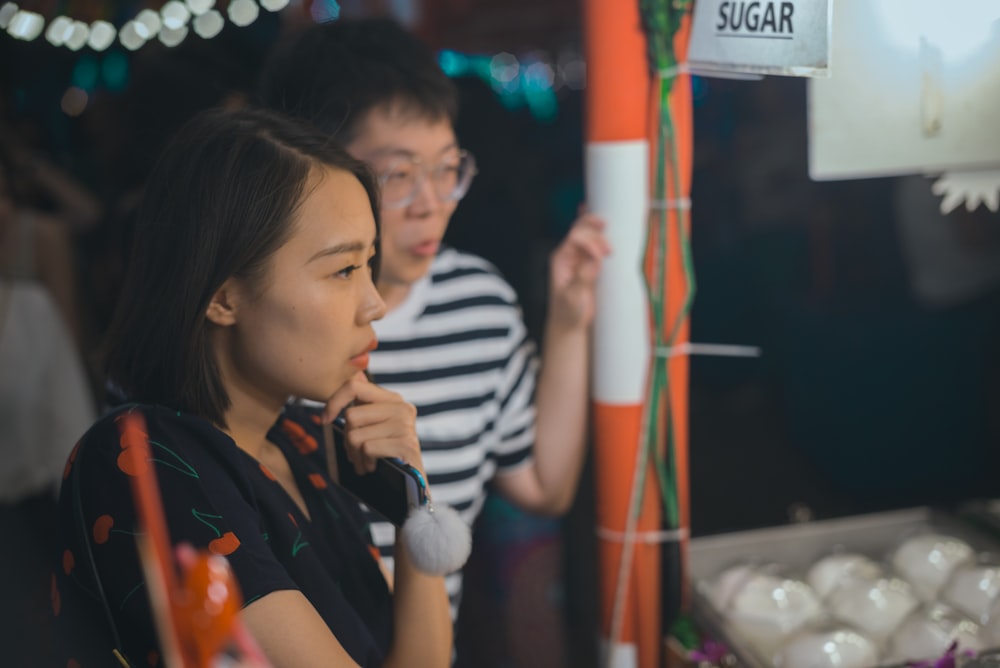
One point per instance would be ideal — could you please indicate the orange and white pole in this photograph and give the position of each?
(617, 186)
(621, 117)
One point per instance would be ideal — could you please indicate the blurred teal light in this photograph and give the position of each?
(516, 86)
(453, 63)
(114, 70)
(325, 10)
(85, 73)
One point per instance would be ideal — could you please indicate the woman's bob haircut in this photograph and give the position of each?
(219, 202)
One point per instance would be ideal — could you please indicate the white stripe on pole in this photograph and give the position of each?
(618, 191)
(622, 655)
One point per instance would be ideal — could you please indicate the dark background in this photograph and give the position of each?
(868, 395)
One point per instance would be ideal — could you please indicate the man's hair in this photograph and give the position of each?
(333, 74)
(219, 202)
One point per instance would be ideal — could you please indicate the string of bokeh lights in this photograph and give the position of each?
(170, 25)
(529, 81)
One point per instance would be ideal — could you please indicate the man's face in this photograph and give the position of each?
(398, 146)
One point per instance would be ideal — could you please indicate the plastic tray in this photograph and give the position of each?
(799, 545)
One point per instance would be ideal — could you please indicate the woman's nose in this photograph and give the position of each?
(373, 306)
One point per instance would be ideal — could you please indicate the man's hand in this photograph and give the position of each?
(574, 268)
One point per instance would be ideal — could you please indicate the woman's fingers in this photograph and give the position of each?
(343, 397)
(386, 428)
(377, 423)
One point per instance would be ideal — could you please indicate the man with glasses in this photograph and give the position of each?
(453, 342)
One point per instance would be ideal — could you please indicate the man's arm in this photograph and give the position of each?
(548, 483)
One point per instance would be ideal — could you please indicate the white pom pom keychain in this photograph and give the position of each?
(438, 540)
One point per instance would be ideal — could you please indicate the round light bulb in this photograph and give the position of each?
(243, 12)
(274, 5)
(199, 7)
(171, 37)
(59, 30)
(175, 15)
(150, 23)
(102, 34)
(209, 24)
(78, 36)
(26, 25)
(7, 12)
(129, 36)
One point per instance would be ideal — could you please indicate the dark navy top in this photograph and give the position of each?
(215, 497)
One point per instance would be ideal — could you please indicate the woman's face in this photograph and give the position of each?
(306, 328)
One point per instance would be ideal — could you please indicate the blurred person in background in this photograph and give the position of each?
(45, 400)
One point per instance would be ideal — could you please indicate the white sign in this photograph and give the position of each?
(761, 37)
(915, 89)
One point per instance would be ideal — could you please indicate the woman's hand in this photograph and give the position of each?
(378, 423)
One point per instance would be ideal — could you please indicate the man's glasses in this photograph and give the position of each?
(450, 179)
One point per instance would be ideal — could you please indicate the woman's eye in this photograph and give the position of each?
(346, 272)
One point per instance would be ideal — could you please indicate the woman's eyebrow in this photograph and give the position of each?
(337, 249)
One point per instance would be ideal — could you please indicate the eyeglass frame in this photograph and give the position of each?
(461, 188)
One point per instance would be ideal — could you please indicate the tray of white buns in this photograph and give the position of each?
(984, 513)
(886, 589)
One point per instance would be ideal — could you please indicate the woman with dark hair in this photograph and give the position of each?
(251, 281)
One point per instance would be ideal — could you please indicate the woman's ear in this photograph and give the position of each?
(222, 308)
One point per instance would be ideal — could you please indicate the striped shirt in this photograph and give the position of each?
(457, 348)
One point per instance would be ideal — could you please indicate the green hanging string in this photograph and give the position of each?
(662, 19)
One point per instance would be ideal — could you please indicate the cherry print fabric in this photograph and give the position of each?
(215, 497)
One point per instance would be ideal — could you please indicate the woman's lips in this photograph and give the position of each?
(361, 359)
